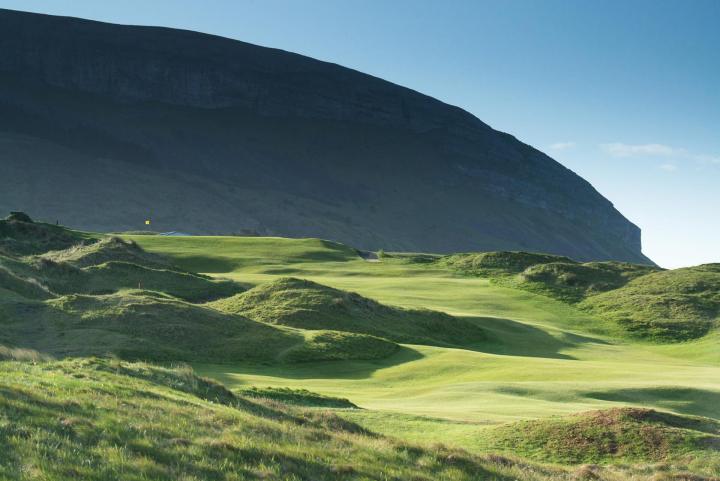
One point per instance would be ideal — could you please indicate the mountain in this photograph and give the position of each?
(104, 126)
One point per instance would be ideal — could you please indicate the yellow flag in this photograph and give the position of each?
(147, 222)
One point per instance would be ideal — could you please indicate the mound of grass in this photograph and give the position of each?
(145, 325)
(497, 263)
(107, 250)
(572, 282)
(621, 434)
(112, 276)
(639, 301)
(12, 283)
(102, 420)
(308, 305)
(338, 345)
(673, 305)
(299, 397)
(102, 267)
(19, 235)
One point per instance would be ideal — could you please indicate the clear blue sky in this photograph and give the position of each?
(625, 93)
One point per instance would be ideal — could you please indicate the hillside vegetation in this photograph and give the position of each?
(679, 304)
(628, 434)
(639, 300)
(90, 296)
(103, 420)
(316, 384)
(107, 420)
(309, 305)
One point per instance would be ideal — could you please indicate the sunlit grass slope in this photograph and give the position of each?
(105, 420)
(64, 293)
(494, 360)
(308, 305)
(542, 356)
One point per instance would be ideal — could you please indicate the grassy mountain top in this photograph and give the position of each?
(308, 305)
(630, 434)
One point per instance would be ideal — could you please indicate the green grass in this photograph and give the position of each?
(671, 305)
(20, 236)
(104, 420)
(543, 357)
(640, 301)
(572, 282)
(628, 434)
(538, 357)
(308, 305)
(108, 296)
(297, 397)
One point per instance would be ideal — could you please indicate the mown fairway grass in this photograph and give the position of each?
(543, 357)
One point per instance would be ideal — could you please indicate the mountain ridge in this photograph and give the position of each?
(212, 135)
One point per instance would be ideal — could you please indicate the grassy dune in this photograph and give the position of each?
(543, 357)
(496, 370)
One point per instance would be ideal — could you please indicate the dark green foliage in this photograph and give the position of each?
(300, 397)
(19, 217)
(630, 434)
(308, 305)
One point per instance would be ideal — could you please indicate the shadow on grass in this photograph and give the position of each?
(355, 369)
(698, 402)
(512, 338)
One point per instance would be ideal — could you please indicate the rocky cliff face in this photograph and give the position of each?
(104, 125)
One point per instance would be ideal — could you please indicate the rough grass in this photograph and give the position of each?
(145, 325)
(494, 263)
(674, 305)
(572, 282)
(298, 397)
(309, 305)
(19, 235)
(104, 267)
(636, 300)
(621, 434)
(103, 420)
(111, 297)
(539, 360)
(106, 250)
